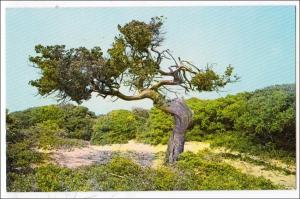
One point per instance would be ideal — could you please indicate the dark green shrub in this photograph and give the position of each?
(48, 135)
(78, 122)
(157, 129)
(20, 156)
(270, 118)
(32, 116)
(266, 117)
(213, 116)
(118, 126)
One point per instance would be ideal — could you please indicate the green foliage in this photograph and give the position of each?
(21, 182)
(67, 72)
(48, 135)
(30, 117)
(270, 118)
(20, 143)
(78, 122)
(133, 61)
(77, 72)
(260, 123)
(157, 129)
(209, 80)
(120, 174)
(138, 34)
(118, 126)
(192, 172)
(54, 178)
(213, 175)
(266, 117)
(45, 127)
(131, 52)
(219, 115)
(20, 156)
(46, 113)
(236, 141)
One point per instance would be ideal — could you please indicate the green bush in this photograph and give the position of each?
(270, 118)
(213, 116)
(21, 182)
(54, 178)
(266, 117)
(20, 156)
(48, 135)
(192, 172)
(78, 122)
(214, 175)
(32, 116)
(157, 129)
(236, 141)
(118, 126)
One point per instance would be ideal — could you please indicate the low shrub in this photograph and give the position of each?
(212, 175)
(20, 156)
(116, 127)
(157, 129)
(240, 142)
(192, 172)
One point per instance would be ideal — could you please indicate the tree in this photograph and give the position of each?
(134, 62)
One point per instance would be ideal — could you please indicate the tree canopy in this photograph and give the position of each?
(133, 62)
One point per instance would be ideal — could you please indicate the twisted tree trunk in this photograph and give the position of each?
(183, 119)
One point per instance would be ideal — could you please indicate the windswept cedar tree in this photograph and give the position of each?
(133, 62)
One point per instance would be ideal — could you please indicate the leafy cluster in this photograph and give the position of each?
(69, 72)
(77, 72)
(209, 80)
(133, 61)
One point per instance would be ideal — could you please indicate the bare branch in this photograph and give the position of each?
(169, 53)
(172, 91)
(165, 73)
(162, 83)
(189, 63)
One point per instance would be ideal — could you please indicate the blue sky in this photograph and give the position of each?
(258, 41)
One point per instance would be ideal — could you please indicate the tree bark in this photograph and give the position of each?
(183, 117)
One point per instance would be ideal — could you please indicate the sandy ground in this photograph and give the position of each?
(144, 154)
